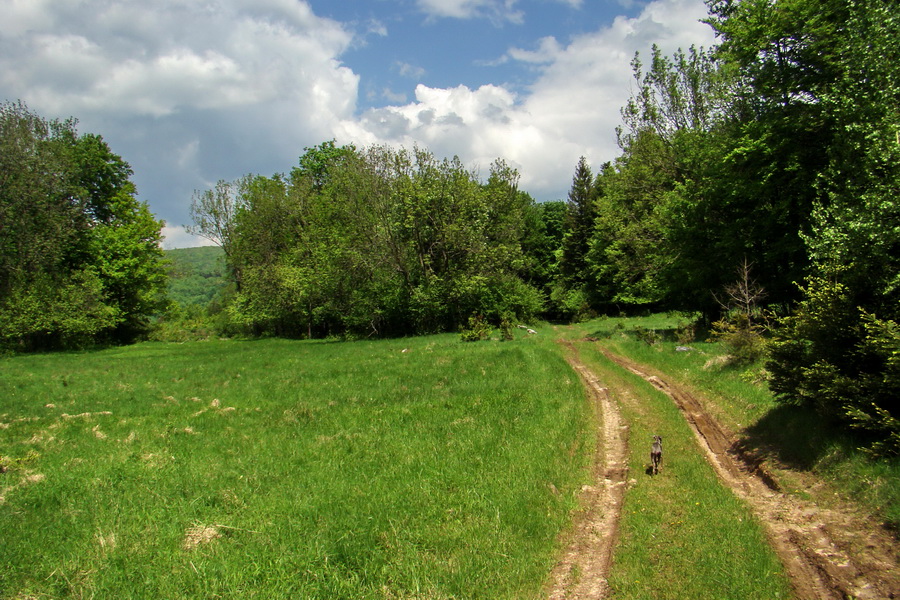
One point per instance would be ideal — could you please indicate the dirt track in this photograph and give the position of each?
(582, 571)
(829, 554)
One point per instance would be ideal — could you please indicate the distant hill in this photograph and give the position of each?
(196, 275)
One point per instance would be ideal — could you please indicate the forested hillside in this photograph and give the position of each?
(196, 275)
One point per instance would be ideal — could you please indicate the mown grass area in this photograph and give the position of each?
(792, 437)
(423, 467)
(682, 534)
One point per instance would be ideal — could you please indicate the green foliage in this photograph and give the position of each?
(199, 288)
(382, 242)
(780, 146)
(660, 214)
(506, 329)
(570, 304)
(627, 252)
(686, 92)
(41, 312)
(477, 330)
(129, 262)
(740, 329)
(742, 337)
(651, 337)
(542, 236)
(316, 164)
(98, 176)
(214, 215)
(686, 333)
(820, 331)
(581, 210)
(840, 360)
(857, 227)
(196, 275)
(868, 397)
(80, 260)
(820, 88)
(833, 353)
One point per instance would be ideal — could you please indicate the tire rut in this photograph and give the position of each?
(582, 571)
(829, 554)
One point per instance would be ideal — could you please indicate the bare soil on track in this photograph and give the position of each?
(582, 571)
(829, 554)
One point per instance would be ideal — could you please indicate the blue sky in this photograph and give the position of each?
(403, 43)
(190, 92)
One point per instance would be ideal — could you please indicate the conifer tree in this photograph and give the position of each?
(581, 211)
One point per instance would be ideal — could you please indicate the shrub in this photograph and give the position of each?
(739, 329)
(571, 304)
(842, 361)
(741, 336)
(648, 336)
(478, 329)
(686, 333)
(506, 328)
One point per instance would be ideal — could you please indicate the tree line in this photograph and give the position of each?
(377, 241)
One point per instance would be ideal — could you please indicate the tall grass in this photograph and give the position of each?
(394, 469)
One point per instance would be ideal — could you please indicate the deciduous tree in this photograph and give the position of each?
(80, 259)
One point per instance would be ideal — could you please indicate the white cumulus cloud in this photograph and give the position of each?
(497, 10)
(503, 10)
(188, 92)
(571, 109)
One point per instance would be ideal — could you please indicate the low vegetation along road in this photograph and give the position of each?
(827, 553)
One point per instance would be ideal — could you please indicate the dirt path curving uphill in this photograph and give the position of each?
(829, 554)
(582, 571)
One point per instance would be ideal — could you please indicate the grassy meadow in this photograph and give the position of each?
(412, 468)
(409, 468)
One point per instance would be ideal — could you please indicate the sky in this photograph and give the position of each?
(190, 92)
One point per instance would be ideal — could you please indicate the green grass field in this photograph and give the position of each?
(277, 469)
(410, 468)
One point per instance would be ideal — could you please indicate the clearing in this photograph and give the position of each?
(410, 468)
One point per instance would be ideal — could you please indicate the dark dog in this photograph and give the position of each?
(656, 454)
